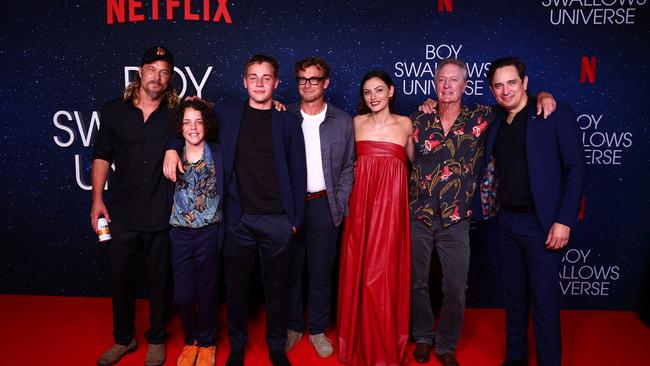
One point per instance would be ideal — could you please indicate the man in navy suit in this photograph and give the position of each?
(540, 171)
(266, 182)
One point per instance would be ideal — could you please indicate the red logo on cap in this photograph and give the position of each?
(160, 52)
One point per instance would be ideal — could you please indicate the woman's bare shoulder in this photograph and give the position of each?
(360, 119)
(403, 121)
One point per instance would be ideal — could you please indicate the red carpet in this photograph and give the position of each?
(45, 330)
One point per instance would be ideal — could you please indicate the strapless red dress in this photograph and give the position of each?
(375, 276)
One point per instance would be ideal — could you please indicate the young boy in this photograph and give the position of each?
(197, 231)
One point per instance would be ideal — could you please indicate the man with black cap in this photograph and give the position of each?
(133, 133)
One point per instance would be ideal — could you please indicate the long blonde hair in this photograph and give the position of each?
(132, 93)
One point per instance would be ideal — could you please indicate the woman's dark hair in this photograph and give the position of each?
(209, 119)
(362, 108)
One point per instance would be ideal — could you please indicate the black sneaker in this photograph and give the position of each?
(236, 357)
(279, 358)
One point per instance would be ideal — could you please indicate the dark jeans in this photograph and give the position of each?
(196, 262)
(315, 244)
(452, 246)
(124, 253)
(271, 236)
(529, 279)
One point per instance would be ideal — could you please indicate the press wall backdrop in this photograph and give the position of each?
(62, 60)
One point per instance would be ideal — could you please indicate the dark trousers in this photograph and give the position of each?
(195, 261)
(452, 246)
(529, 278)
(315, 244)
(125, 250)
(271, 236)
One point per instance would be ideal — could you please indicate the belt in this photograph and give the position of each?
(521, 209)
(312, 196)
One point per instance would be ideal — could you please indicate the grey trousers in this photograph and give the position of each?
(452, 245)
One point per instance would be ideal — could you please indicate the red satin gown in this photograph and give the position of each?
(375, 277)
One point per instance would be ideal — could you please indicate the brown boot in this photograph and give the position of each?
(115, 353)
(422, 352)
(155, 355)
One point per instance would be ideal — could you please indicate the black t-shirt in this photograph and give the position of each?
(139, 197)
(254, 164)
(512, 166)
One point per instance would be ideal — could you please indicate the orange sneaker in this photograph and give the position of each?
(188, 355)
(206, 356)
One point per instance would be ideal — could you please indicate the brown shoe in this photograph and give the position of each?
(188, 355)
(155, 355)
(447, 359)
(421, 352)
(206, 356)
(293, 338)
(115, 353)
(322, 345)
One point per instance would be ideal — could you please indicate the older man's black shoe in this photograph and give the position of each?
(421, 352)
(447, 359)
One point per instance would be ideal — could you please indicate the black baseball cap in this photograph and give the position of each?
(157, 53)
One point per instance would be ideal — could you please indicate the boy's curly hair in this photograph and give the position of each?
(209, 119)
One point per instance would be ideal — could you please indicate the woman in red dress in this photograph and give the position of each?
(374, 282)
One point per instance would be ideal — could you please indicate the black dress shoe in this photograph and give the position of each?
(236, 357)
(279, 358)
(421, 352)
(515, 363)
(447, 359)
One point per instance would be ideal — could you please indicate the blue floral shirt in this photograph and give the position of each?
(196, 201)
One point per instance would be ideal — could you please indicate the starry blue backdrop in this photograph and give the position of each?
(63, 56)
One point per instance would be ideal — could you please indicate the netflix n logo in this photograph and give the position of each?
(122, 11)
(445, 6)
(588, 70)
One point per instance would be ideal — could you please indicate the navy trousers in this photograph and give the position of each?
(125, 250)
(195, 262)
(529, 278)
(315, 245)
(271, 235)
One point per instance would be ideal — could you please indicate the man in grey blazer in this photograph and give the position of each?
(329, 147)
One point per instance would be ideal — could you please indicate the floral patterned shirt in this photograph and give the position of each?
(196, 201)
(443, 179)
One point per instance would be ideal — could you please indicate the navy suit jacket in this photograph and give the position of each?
(288, 156)
(556, 167)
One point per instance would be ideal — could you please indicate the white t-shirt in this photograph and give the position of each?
(311, 131)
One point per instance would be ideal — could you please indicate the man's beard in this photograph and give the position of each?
(152, 93)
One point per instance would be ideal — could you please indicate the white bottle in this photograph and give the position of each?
(103, 231)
